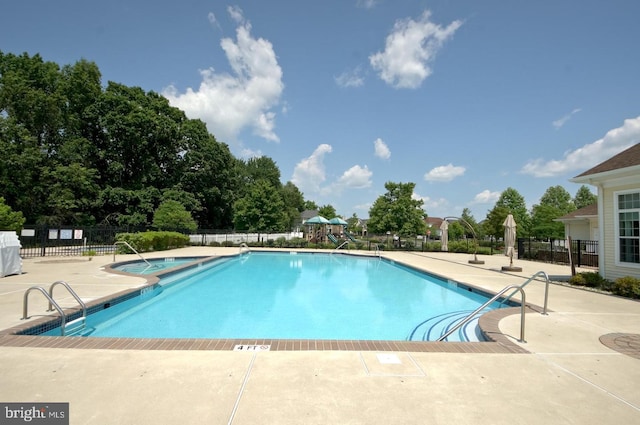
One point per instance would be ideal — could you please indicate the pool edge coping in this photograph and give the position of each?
(488, 323)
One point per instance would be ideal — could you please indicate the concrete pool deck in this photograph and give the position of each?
(568, 375)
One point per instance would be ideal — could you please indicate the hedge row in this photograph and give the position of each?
(627, 286)
(151, 241)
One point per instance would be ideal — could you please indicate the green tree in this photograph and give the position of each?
(9, 219)
(310, 205)
(493, 225)
(397, 211)
(260, 210)
(353, 224)
(72, 195)
(172, 215)
(327, 211)
(471, 221)
(584, 197)
(514, 202)
(542, 224)
(555, 203)
(262, 168)
(293, 203)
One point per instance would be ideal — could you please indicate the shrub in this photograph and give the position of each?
(152, 241)
(577, 280)
(214, 243)
(627, 286)
(593, 279)
(227, 243)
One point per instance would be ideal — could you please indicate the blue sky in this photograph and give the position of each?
(463, 98)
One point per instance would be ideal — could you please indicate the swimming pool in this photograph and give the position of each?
(291, 296)
(154, 265)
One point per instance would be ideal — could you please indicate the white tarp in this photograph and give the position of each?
(10, 261)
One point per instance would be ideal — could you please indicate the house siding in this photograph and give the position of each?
(613, 271)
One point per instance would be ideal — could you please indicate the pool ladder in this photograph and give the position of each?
(131, 248)
(66, 328)
(516, 288)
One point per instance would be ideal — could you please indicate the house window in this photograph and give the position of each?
(629, 227)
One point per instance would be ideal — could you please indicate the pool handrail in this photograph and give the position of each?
(546, 289)
(71, 291)
(479, 309)
(340, 246)
(244, 245)
(131, 248)
(25, 306)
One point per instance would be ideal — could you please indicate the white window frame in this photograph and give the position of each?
(616, 220)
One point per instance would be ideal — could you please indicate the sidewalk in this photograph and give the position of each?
(570, 377)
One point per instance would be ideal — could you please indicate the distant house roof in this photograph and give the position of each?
(307, 214)
(589, 211)
(627, 159)
(433, 221)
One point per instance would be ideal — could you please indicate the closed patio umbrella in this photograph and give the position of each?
(510, 241)
(444, 235)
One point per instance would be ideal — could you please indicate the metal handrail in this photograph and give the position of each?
(25, 306)
(479, 309)
(244, 245)
(377, 251)
(340, 246)
(71, 291)
(131, 248)
(546, 290)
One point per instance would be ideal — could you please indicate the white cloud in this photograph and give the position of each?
(444, 173)
(351, 78)
(410, 49)
(583, 158)
(562, 121)
(236, 14)
(381, 149)
(486, 197)
(309, 173)
(229, 103)
(366, 4)
(356, 177)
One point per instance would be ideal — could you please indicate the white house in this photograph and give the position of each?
(582, 224)
(618, 182)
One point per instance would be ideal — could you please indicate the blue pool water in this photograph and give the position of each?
(153, 265)
(282, 296)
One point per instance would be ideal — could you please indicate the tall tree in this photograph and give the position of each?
(555, 203)
(327, 211)
(260, 210)
(514, 203)
(293, 203)
(471, 221)
(397, 211)
(493, 224)
(584, 197)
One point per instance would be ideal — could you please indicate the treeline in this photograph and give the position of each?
(77, 153)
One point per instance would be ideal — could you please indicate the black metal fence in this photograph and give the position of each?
(584, 253)
(41, 241)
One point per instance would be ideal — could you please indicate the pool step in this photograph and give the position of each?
(436, 326)
(75, 326)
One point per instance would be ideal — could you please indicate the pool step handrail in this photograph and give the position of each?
(532, 278)
(25, 306)
(64, 325)
(131, 248)
(71, 291)
(245, 246)
(482, 307)
(340, 246)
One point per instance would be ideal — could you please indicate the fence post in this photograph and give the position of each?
(43, 241)
(578, 252)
